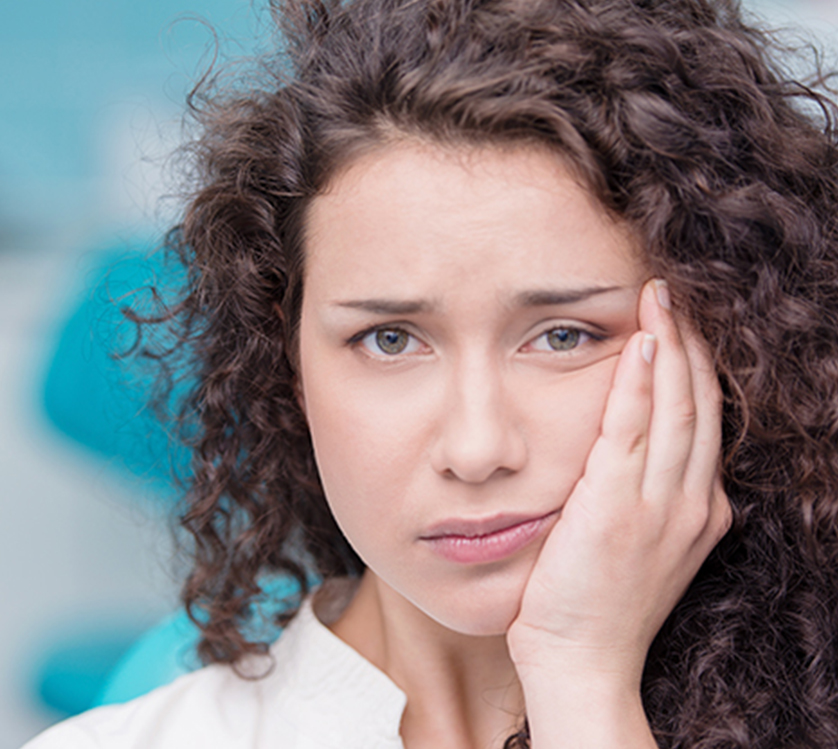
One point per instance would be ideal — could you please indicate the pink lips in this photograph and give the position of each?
(481, 542)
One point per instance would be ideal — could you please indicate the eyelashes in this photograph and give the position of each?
(386, 341)
(390, 341)
(563, 338)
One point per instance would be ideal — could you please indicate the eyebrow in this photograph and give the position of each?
(387, 306)
(547, 297)
(534, 298)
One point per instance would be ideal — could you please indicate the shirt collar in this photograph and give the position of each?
(336, 691)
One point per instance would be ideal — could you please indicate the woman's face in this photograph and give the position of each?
(462, 317)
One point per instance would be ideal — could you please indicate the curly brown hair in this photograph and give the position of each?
(682, 121)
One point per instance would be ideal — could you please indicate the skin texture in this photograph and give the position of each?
(460, 257)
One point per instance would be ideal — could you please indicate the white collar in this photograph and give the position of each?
(334, 689)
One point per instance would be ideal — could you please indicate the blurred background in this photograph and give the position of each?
(92, 94)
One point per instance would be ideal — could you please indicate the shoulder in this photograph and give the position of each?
(313, 691)
(206, 708)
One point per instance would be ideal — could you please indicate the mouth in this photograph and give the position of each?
(484, 541)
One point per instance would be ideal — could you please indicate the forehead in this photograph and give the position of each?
(415, 216)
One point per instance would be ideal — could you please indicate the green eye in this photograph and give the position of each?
(391, 341)
(563, 339)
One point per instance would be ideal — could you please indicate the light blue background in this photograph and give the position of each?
(82, 79)
(91, 95)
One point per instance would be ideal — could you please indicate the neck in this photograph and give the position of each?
(462, 691)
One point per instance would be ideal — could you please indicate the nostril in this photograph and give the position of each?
(476, 455)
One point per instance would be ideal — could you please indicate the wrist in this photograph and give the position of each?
(537, 654)
(580, 695)
(591, 710)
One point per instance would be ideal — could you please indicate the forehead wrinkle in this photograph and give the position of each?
(530, 298)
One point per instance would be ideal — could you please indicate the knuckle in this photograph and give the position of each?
(630, 439)
(685, 414)
(725, 515)
(635, 444)
(713, 517)
(698, 517)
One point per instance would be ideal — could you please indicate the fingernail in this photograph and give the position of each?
(662, 289)
(647, 349)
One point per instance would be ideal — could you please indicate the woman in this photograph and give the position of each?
(515, 323)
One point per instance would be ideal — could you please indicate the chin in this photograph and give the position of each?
(480, 609)
(484, 624)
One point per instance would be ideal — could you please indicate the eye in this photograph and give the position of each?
(561, 339)
(390, 342)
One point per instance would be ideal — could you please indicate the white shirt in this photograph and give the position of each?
(321, 694)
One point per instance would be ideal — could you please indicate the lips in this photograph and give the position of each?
(487, 540)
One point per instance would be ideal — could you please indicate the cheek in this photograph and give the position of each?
(369, 444)
(565, 420)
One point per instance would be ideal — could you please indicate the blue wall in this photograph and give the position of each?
(67, 63)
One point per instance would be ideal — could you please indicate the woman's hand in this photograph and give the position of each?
(634, 532)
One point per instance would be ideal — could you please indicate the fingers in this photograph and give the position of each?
(686, 424)
(671, 431)
(661, 430)
(619, 455)
(708, 398)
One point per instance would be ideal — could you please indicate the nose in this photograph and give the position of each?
(478, 436)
